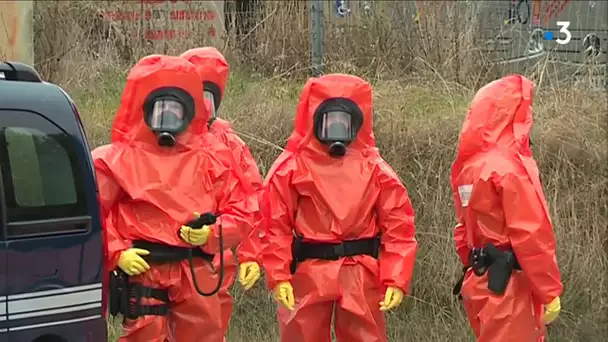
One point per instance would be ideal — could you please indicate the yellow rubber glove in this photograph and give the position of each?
(132, 263)
(552, 310)
(392, 298)
(249, 274)
(283, 293)
(195, 236)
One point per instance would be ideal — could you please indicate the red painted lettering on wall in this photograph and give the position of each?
(175, 15)
(149, 13)
(165, 34)
(193, 15)
(536, 5)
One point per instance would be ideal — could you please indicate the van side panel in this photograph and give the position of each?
(77, 331)
(54, 254)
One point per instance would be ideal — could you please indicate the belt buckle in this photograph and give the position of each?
(338, 251)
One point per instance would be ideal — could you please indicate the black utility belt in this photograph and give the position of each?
(126, 297)
(161, 253)
(302, 251)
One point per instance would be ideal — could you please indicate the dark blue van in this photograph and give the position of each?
(51, 253)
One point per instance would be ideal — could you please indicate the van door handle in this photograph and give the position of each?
(50, 276)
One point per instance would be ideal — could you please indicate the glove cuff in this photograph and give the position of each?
(554, 305)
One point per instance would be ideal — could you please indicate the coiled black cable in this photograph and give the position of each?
(207, 219)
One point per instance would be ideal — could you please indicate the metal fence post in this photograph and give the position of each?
(317, 37)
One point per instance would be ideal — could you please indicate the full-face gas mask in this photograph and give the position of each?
(168, 112)
(337, 122)
(213, 95)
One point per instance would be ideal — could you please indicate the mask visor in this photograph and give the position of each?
(336, 126)
(209, 97)
(167, 116)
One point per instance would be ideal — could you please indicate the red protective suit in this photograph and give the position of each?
(147, 192)
(326, 199)
(499, 199)
(213, 67)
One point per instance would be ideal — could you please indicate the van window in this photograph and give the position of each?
(41, 175)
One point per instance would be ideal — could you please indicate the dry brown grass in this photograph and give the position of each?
(417, 122)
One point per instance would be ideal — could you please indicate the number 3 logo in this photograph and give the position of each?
(564, 29)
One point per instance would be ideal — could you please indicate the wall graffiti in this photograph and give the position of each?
(536, 6)
(519, 12)
(554, 9)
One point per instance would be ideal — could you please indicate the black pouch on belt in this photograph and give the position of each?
(499, 265)
(119, 294)
(499, 273)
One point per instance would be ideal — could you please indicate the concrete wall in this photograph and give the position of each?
(16, 31)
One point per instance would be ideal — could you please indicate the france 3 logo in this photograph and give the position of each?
(563, 30)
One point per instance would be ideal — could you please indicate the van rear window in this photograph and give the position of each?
(41, 175)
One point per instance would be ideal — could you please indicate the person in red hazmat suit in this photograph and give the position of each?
(340, 227)
(504, 236)
(162, 169)
(213, 70)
